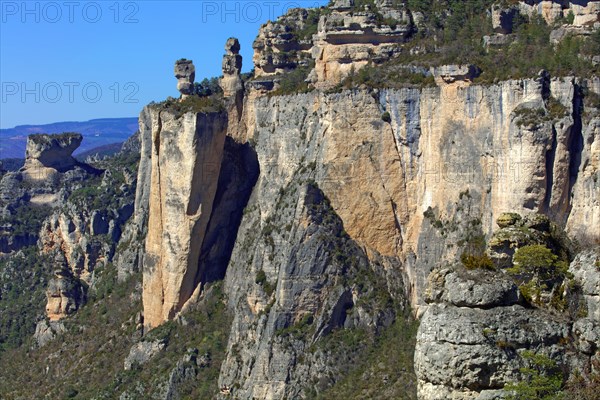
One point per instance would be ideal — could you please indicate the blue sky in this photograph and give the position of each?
(78, 60)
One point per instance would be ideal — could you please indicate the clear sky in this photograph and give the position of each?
(79, 60)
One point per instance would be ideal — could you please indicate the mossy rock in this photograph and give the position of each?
(508, 219)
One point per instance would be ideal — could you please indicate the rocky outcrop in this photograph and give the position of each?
(470, 353)
(65, 293)
(46, 331)
(185, 72)
(346, 41)
(472, 337)
(186, 152)
(586, 270)
(452, 73)
(277, 49)
(231, 83)
(412, 192)
(142, 352)
(583, 12)
(46, 155)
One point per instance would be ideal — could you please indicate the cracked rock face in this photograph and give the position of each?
(185, 72)
(381, 178)
(186, 153)
(64, 293)
(586, 269)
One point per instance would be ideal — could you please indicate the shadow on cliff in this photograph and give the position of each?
(239, 173)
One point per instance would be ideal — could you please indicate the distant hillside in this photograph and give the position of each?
(105, 150)
(96, 133)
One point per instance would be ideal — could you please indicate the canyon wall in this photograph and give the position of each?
(411, 174)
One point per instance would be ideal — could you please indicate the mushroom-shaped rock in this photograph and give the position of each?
(47, 155)
(185, 72)
(52, 151)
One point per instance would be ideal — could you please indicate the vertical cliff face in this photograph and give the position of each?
(184, 163)
(411, 190)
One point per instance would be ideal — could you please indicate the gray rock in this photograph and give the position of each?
(231, 83)
(586, 271)
(475, 349)
(142, 352)
(453, 73)
(185, 72)
(45, 331)
(478, 288)
(497, 40)
(587, 333)
(52, 151)
(184, 372)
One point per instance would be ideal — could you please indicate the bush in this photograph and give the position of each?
(538, 270)
(208, 87)
(543, 380)
(538, 261)
(472, 261)
(293, 82)
(386, 117)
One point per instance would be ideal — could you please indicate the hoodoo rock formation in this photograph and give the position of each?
(46, 155)
(184, 164)
(231, 83)
(185, 72)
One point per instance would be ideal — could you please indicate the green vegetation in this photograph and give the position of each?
(471, 261)
(537, 269)
(87, 361)
(454, 30)
(43, 138)
(538, 261)
(377, 368)
(23, 279)
(105, 192)
(387, 75)
(261, 279)
(301, 329)
(27, 219)
(293, 82)
(208, 87)
(208, 104)
(530, 117)
(543, 380)
(310, 25)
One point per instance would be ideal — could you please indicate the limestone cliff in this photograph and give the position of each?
(186, 152)
(448, 162)
(355, 202)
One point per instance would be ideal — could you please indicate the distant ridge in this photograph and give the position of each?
(96, 133)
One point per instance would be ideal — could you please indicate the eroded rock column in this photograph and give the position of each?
(185, 162)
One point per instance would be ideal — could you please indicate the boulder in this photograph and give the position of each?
(477, 289)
